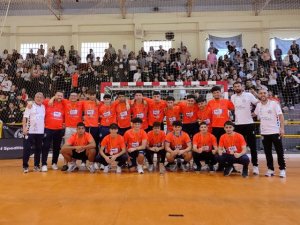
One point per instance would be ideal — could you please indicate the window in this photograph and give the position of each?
(98, 49)
(155, 44)
(25, 48)
(284, 44)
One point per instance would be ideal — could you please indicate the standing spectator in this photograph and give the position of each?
(214, 49)
(244, 123)
(211, 59)
(295, 49)
(90, 57)
(272, 131)
(290, 83)
(278, 54)
(291, 60)
(41, 51)
(33, 130)
(61, 51)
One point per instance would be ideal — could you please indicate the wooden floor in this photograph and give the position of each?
(56, 198)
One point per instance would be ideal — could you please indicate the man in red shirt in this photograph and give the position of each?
(123, 113)
(139, 108)
(172, 113)
(80, 145)
(178, 146)
(232, 149)
(136, 142)
(204, 148)
(54, 129)
(204, 112)
(156, 140)
(113, 149)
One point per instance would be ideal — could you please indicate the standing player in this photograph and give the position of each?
(123, 113)
(136, 142)
(232, 149)
(204, 112)
(54, 129)
(178, 146)
(172, 113)
(272, 131)
(189, 111)
(204, 148)
(220, 112)
(156, 140)
(33, 130)
(244, 123)
(139, 109)
(112, 150)
(80, 145)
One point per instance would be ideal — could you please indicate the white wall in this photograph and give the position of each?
(192, 31)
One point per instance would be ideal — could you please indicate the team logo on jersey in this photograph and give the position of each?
(19, 133)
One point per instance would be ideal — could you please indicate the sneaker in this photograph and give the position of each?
(255, 170)
(119, 169)
(282, 174)
(269, 173)
(245, 171)
(64, 168)
(184, 167)
(173, 167)
(162, 168)
(211, 168)
(150, 167)
(140, 169)
(91, 168)
(36, 169)
(44, 168)
(292, 107)
(25, 170)
(106, 169)
(96, 165)
(54, 166)
(234, 170)
(82, 166)
(71, 167)
(228, 170)
(205, 167)
(220, 168)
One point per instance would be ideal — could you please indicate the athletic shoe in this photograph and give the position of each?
(82, 166)
(119, 169)
(205, 167)
(234, 170)
(36, 169)
(64, 168)
(173, 167)
(54, 166)
(71, 167)
(44, 168)
(292, 107)
(184, 167)
(211, 168)
(25, 170)
(162, 168)
(228, 170)
(96, 165)
(150, 167)
(140, 169)
(282, 174)
(245, 171)
(106, 169)
(255, 170)
(91, 168)
(269, 173)
(220, 168)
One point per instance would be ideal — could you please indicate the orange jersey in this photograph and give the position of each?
(55, 114)
(113, 145)
(189, 113)
(107, 115)
(178, 142)
(122, 114)
(155, 111)
(73, 113)
(133, 139)
(233, 143)
(205, 141)
(204, 115)
(171, 116)
(140, 110)
(76, 140)
(91, 114)
(75, 77)
(156, 140)
(220, 111)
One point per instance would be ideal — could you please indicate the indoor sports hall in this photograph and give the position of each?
(145, 112)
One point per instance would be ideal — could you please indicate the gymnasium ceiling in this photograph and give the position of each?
(71, 7)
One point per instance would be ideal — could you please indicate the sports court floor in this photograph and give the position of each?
(56, 198)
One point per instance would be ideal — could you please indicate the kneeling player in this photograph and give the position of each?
(80, 145)
(178, 146)
(204, 148)
(232, 149)
(156, 140)
(136, 141)
(112, 150)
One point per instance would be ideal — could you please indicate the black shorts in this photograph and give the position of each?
(81, 155)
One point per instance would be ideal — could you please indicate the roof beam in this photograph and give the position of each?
(263, 6)
(189, 7)
(123, 8)
(49, 6)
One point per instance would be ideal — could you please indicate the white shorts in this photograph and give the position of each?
(68, 132)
